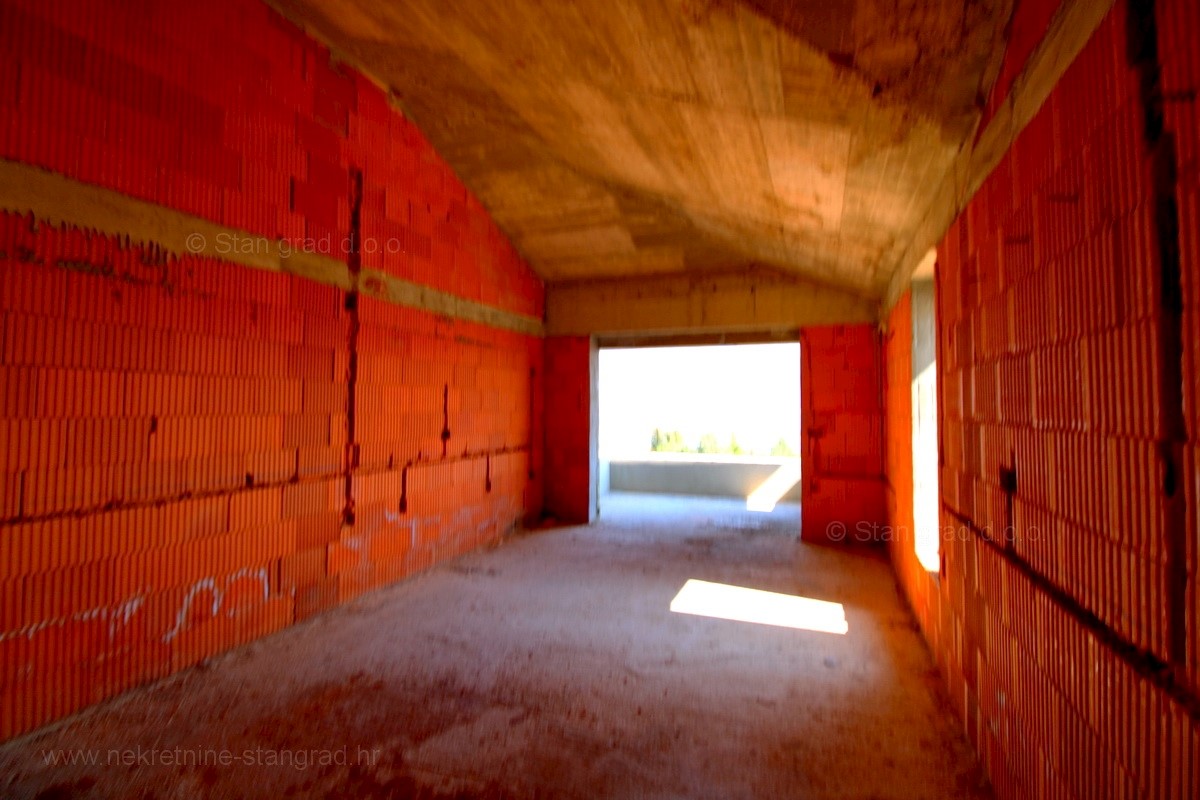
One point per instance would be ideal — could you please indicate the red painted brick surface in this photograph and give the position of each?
(174, 431)
(842, 420)
(1049, 313)
(568, 413)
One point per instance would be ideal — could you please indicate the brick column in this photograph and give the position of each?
(842, 423)
(570, 428)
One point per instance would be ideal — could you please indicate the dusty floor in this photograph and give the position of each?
(550, 667)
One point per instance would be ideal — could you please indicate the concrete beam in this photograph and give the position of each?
(1070, 29)
(669, 305)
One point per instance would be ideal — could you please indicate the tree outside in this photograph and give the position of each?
(674, 442)
(782, 448)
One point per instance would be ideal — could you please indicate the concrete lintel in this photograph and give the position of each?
(725, 303)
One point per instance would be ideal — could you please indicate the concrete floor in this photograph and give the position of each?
(550, 666)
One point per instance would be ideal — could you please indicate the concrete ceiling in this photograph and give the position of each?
(622, 138)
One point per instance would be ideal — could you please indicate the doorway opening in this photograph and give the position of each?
(709, 431)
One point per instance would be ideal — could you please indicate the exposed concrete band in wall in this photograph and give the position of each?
(1070, 29)
(382, 286)
(750, 301)
(59, 200)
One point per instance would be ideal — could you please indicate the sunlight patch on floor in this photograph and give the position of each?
(740, 604)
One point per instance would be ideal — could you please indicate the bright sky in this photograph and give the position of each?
(748, 391)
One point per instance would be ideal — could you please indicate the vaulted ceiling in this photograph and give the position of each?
(620, 138)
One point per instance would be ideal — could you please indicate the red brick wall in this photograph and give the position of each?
(1065, 623)
(842, 421)
(178, 472)
(569, 482)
